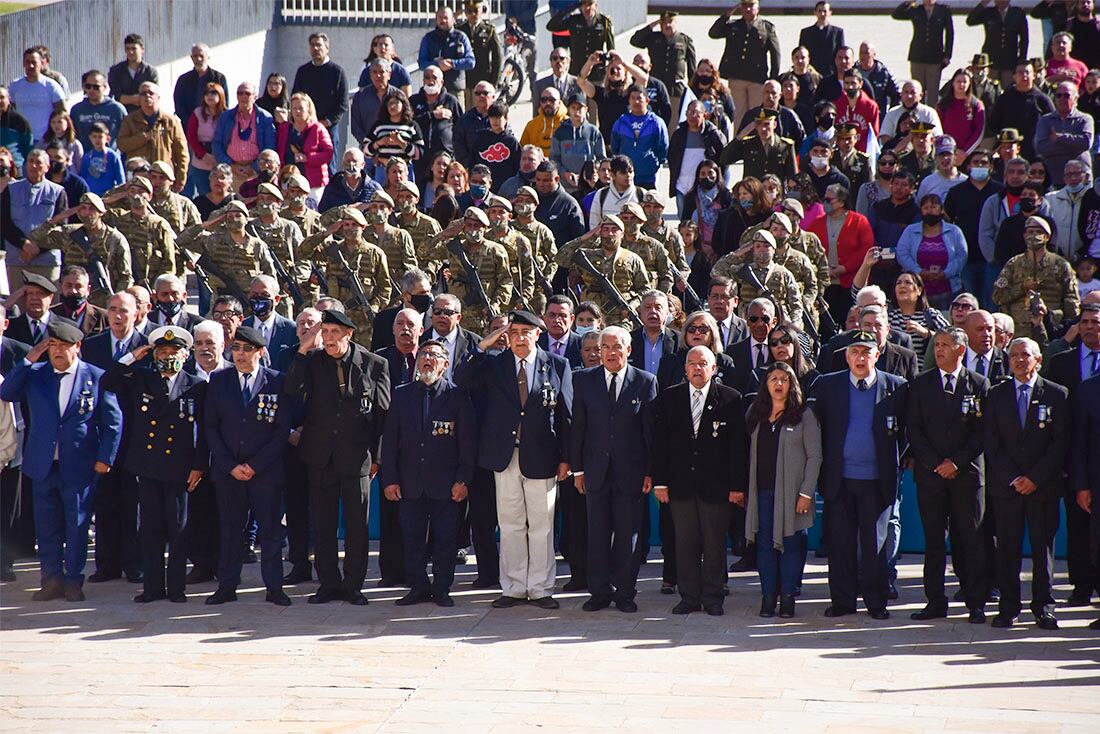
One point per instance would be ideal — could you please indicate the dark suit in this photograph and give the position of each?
(466, 342)
(738, 330)
(185, 320)
(996, 371)
(942, 426)
(668, 345)
(341, 431)
(92, 321)
(19, 329)
(12, 352)
(17, 525)
(283, 333)
(856, 510)
(844, 338)
(1036, 450)
(1085, 464)
(700, 470)
(430, 443)
(895, 359)
(610, 443)
(382, 331)
(745, 359)
(253, 433)
(671, 372)
(572, 348)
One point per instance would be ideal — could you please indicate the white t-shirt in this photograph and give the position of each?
(35, 101)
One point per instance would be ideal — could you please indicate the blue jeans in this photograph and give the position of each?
(778, 571)
(61, 518)
(977, 278)
(197, 184)
(337, 147)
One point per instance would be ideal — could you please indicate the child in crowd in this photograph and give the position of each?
(1086, 275)
(101, 166)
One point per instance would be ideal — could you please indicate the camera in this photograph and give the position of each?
(605, 57)
(888, 253)
(1034, 303)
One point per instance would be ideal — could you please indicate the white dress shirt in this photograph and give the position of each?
(621, 374)
(266, 328)
(869, 379)
(126, 340)
(758, 352)
(972, 361)
(449, 342)
(529, 365)
(954, 378)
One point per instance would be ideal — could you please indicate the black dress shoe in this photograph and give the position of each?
(667, 588)
(1003, 621)
(413, 597)
(1094, 624)
(976, 616)
(50, 591)
(715, 610)
(595, 604)
(546, 602)
(786, 606)
(767, 605)
(930, 611)
(298, 574)
(443, 600)
(480, 583)
(505, 602)
(198, 576)
(892, 592)
(324, 596)
(221, 596)
(7, 574)
(743, 565)
(1046, 621)
(356, 599)
(74, 592)
(575, 584)
(135, 578)
(879, 614)
(178, 598)
(390, 583)
(627, 606)
(834, 611)
(460, 557)
(145, 598)
(1079, 598)
(278, 597)
(100, 576)
(685, 607)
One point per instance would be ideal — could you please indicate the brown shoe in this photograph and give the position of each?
(74, 592)
(50, 590)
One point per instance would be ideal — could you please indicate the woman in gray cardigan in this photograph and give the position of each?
(784, 461)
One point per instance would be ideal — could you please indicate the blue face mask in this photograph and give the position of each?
(478, 191)
(582, 330)
(1077, 187)
(979, 173)
(745, 203)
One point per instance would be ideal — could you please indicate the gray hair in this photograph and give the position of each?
(451, 300)
(308, 311)
(590, 336)
(267, 280)
(1085, 169)
(956, 335)
(38, 153)
(1006, 322)
(222, 170)
(380, 63)
(1062, 34)
(875, 309)
(168, 278)
(330, 303)
(201, 46)
(534, 148)
(413, 277)
(871, 290)
(765, 303)
(654, 293)
(1032, 346)
(705, 316)
(151, 86)
(211, 328)
(621, 335)
(705, 351)
(434, 69)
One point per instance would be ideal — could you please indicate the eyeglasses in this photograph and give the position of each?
(481, 93)
(700, 329)
(785, 339)
(558, 57)
(93, 86)
(755, 319)
(225, 315)
(246, 348)
(443, 312)
(1065, 95)
(434, 356)
(548, 99)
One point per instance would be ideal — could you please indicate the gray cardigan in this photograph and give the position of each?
(798, 464)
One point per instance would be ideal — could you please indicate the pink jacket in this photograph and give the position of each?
(317, 147)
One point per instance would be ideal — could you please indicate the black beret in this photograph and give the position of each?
(41, 281)
(859, 336)
(64, 330)
(248, 335)
(330, 316)
(526, 318)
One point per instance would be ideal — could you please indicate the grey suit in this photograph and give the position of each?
(570, 87)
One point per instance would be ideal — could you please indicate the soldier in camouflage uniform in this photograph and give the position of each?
(658, 229)
(151, 239)
(489, 259)
(419, 225)
(653, 253)
(236, 253)
(309, 222)
(543, 247)
(518, 248)
(793, 259)
(1037, 272)
(776, 278)
(623, 268)
(106, 242)
(282, 236)
(368, 262)
(396, 243)
(179, 211)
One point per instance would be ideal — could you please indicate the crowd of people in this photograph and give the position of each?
(514, 338)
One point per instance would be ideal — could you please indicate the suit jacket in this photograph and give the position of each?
(426, 458)
(997, 371)
(1064, 368)
(98, 350)
(93, 321)
(546, 81)
(939, 429)
(830, 402)
(87, 431)
(572, 348)
(240, 433)
(669, 345)
(283, 333)
(342, 428)
(162, 440)
(12, 352)
(611, 440)
(711, 464)
(739, 330)
(844, 338)
(19, 329)
(743, 361)
(1085, 459)
(187, 320)
(543, 438)
(466, 342)
(672, 370)
(1035, 451)
(382, 331)
(396, 366)
(893, 359)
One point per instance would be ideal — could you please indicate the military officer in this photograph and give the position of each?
(543, 246)
(623, 268)
(489, 260)
(395, 243)
(920, 159)
(151, 239)
(92, 238)
(166, 451)
(653, 253)
(776, 278)
(1037, 283)
(282, 236)
(765, 152)
(518, 248)
(176, 209)
(419, 225)
(238, 255)
(848, 159)
(671, 52)
(588, 31)
(486, 44)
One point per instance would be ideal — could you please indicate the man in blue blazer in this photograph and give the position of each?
(609, 448)
(526, 395)
(247, 425)
(1085, 460)
(429, 450)
(279, 331)
(74, 428)
(859, 477)
(559, 337)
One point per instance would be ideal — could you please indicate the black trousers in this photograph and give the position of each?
(203, 532)
(163, 517)
(700, 549)
(855, 526)
(117, 549)
(17, 521)
(240, 503)
(574, 541)
(839, 300)
(951, 507)
(483, 524)
(1039, 512)
(327, 490)
(1083, 573)
(391, 548)
(296, 506)
(416, 516)
(614, 525)
(668, 543)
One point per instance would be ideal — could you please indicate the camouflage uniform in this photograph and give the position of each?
(655, 257)
(180, 211)
(776, 278)
(491, 262)
(109, 246)
(1056, 283)
(241, 262)
(152, 244)
(543, 249)
(397, 244)
(421, 228)
(284, 237)
(521, 266)
(624, 269)
(673, 242)
(309, 222)
(369, 264)
(794, 260)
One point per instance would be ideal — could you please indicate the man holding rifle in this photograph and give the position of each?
(283, 238)
(543, 246)
(231, 256)
(612, 276)
(396, 243)
(518, 248)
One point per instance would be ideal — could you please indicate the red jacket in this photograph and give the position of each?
(852, 244)
(317, 147)
(863, 113)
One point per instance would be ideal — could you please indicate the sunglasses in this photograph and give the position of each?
(443, 312)
(702, 329)
(785, 339)
(225, 315)
(963, 306)
(548, 99)
(1062, 95)
(557, 57)
(887, 162)
(93, 86)
(435, 356)
(755, 319)
(481, 94)
(246, 348)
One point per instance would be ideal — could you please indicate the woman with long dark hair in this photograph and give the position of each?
(201, 124)
(912, 314)
(276, 95)
(382, 46)
(784, 462)
(749, 208)
(394, 134)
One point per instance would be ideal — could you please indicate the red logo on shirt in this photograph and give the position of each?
(496, 153)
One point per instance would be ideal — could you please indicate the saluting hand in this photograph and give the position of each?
(37, 351)
(490, 339)
(140, 352)
(311, 340)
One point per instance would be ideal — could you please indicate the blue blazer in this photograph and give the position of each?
(544, 438)
(829, 399)
(572, 348)
(283, 334)
(97, 349)
(223, 134)
(611, 439)
(87, 431)
(426, 459)
(240, 434)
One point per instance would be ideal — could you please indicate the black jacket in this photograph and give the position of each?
(939, 428)
(933, 37)
(1037, 450)
(713, 142)
(822, 43)
(752, 50)
(1005, 39)
(1022, 111)
(12, 352)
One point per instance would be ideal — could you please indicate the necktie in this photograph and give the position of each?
(861, 385)
(722, 332)
(558, 350)
(263, 332)
(759, 356)
(1021, 404)
(521, 379)
(611, 389)
(979, 365)
(246, 393)
(1095, 362)
(696, 410)
(949, 386)
(119, 351)
(36, 331)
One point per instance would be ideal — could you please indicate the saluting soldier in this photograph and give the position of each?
(671, 52)
(920, 160)
(589, 31)
(309, 222)
(419, 225)
(237, 254)
(765, 152)
(849, 160)
(1037, 283)
(751, 55)
(518, 248)
(1006, 36)
(78, 242)
(151, 239)
(486, 44)
(282, 236)
(654, 207)
(166, 451)
(395, 243)
(179, 211)
(489, 259)
(776, 278)
(626, 271)
(543, 246)
(797, 262)
(805, 242)
(653, 253)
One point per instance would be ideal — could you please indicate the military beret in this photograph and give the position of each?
(1037, 222)
(766, 114)
(93, 201)
(381, 197)
(861, 338)
(170, 336)
(527, 191)
(1009, 135)
(248, 335)
(526, 318)
(350, 212)
(765, 235)
(650, 196)
(64, 330)
(472, 212)
(980, 60)
(40, 281)
(784, 220)
(143, 183)
(669, 15)
(410, 187)
(497, 201)
(577, 98)
(331, 316)
(163, 169)
(270, 190)
(234, 206)
(633, 207)
(795, 206)
(297, 181)
(613, 220)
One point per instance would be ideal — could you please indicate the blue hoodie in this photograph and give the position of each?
(644, 140)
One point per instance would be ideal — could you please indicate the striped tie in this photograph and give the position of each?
(696, 410)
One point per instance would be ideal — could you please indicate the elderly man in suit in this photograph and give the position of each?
(526, 396)
(74, 428)
(1026, 422)
(982, 355)
(892, 358)
(609, 447)
(559, 337)
(1085, 460)
(73, 303)
(279, 331)
(559, 78)
(169, 301)
(36, 295)
(446, 318)
(429, 450)
(945, 436)
(859, 477)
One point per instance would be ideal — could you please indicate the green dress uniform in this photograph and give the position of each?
(1055, 281)
(108, 244)
(655, 258)
(920, 168)
(284, 237)
(367, 261)
(776, 278)
(152, 244)
(520, 265)
(491, 262)
(750, 48)
(760, 159)
(856, 166)
(673, 58)
(239, 261)
(623, 268)
(397, 245)
(584, 39)
(488, 55)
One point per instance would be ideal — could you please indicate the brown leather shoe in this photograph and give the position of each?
(74, 592)
(50, 590)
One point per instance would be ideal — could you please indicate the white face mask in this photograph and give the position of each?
(433, 90)
(819, 161)
(582, 330)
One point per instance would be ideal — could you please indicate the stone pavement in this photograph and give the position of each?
(109, 665)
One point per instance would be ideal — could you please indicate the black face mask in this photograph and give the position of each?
(266, 176)
(826, 122)
(57, 168)
(1014, 190)
(886, 175)
(931, 219)
(261, 307)
(73, 301)
(421, 303)
(169, 308)
(704, 80)
(1027, 206)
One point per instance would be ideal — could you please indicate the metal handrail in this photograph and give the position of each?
(368, 12)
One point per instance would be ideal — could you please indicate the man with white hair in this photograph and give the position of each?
(436, 111)
(170, 303)
(242, 133)
(473, 121)
(191, 85)
(911, 92)
(149, 133)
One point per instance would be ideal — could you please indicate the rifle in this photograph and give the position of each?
(545, 284)
(288, 283)
(360, 296)
(691, 301)
(747, 273)
(317, 276)
(580, 259)
(206, 262)
(473, 278)
(101, 281)
(828, 323)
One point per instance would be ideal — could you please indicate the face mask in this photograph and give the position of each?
(375, 217)
(407, 207)
(261, 307)
(169, 308)
(478, 191)
(169, 365)
(475, 235)
(852, 93)
(609, 242)
(633, 229)
(931, 219)
(826, 122)
(74, 301)
(1077, 187)
(433, 90)
(524, 210)
(136, 201)
(761, 258)
(704, 80)
(421, 303)
(266, 176)
(582, 330)
(235, 224)
(707, 184)
(654, 218)
(1028, 205)
(57, 168)
(980, 173)
(818, 161)
(1035, 241)
(745, 203)
(352, 169)
(297, 202)
(269, 208)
